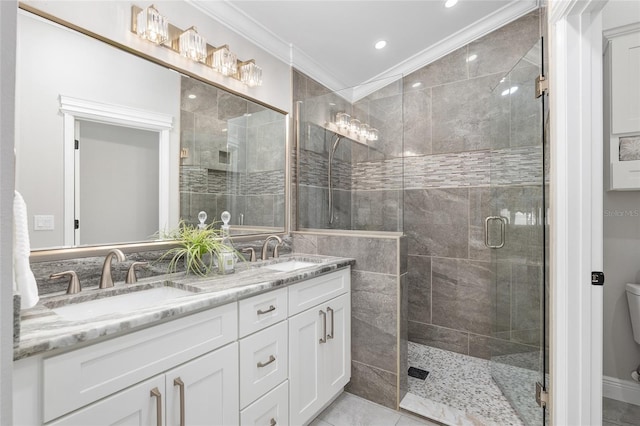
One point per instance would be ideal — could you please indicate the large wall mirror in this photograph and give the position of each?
(112, 148)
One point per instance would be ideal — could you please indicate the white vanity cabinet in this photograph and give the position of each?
(276, 358)
(200, 392)
(319, 343)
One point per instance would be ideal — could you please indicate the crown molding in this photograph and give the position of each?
(499, 18)
(236, 20)
(239, 22)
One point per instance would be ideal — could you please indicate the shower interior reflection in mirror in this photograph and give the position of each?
(116, 165)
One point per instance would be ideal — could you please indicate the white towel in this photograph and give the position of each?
(23, 280)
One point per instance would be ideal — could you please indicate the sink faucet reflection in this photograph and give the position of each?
(106, 280)
(265, 246)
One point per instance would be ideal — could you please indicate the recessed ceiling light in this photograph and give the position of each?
(450, 3)
(417, 84)
(380, 44)
(192, 96)
(472, 58)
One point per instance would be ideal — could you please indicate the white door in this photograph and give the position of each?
(135, 406)
(209, 386)
(305, 331)
(337, 352)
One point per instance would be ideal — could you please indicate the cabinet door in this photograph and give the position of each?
(135, 406)
(210, 390)
(337, 352)
(304, 365)
(625, 83)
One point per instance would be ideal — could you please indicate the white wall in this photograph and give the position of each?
(53, 61)
(7, 99)
(621, 233)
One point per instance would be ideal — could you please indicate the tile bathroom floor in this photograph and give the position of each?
(618, 413)
(351, 410)
(459, 390)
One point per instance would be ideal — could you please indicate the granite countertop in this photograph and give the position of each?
(42, 330)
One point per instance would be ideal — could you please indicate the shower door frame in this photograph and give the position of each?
(575, 31)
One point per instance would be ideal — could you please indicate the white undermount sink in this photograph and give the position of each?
(127, 302)
(291, 265)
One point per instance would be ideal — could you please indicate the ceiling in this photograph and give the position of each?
(333, 41)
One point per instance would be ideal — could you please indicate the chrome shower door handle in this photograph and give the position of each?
(503, 229)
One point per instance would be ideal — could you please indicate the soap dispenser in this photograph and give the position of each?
(226, 258)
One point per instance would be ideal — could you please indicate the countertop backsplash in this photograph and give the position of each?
(90, 268)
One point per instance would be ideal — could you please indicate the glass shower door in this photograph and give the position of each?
(515, 234)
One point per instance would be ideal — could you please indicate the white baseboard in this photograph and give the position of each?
(622, 390)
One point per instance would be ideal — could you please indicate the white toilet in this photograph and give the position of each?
(633, 297)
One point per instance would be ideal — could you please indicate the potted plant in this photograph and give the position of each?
(196, 247)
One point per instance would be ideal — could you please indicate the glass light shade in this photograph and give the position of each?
(251, 74)
(354, 125)
(342, 120)
(364, 131)
(225, 61)
(152, 26)
(193, 45)
(373, 134)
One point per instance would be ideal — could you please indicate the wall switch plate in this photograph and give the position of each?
(43, 222)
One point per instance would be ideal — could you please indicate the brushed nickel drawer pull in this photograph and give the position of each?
(324, 326)
(271, 309)
(178, 382)
(156, 393)
(273, 422)
(330, 335)
(264, 364)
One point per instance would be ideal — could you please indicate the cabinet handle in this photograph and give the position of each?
(324, 326)
(178, 382)
(330, 335)
(155, 392)
(272, 422)
(264, 364)
(271, 309)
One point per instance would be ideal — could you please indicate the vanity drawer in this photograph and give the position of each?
(312, 292)
(272, 409)
(77, 378)
(263, 362)
(261, 311)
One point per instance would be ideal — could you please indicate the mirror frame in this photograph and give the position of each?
(64, 253)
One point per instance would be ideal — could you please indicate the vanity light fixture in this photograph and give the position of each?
(225, 61)
(150, 25)
(250, 73)
(192, 45)
(353, 128)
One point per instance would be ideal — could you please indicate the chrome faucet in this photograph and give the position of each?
(105, 279)
(265, 246)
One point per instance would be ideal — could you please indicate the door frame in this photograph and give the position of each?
(575, 33)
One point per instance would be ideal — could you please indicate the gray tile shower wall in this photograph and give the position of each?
(376, 289)
(470, 151)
